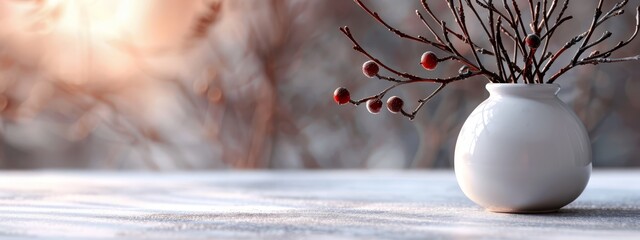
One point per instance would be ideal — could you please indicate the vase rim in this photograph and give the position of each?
(524, 84)
(524, 89)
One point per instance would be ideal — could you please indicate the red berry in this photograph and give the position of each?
(394, 104)
(374, 105)
(370, 68)
(429, 60)
(533, 41)
(341, 95)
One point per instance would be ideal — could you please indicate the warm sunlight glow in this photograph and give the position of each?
(99, 18)
(75, 40)
(97, 40)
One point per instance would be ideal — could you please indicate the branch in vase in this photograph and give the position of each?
(547, 35)
(494, 77)
(616, 10)
(516, 9)
(612, 60)
(502, 57)
(491, 8)
(401, 34)
(564, 48)
(592, 28)
(512, 66)
(448, 30)
(528, 42)
(622, 43)
(424, 80)
(422, 102)
(596, 57)
(345, 30)
(544, 24)
(460, 19)
(535, 16)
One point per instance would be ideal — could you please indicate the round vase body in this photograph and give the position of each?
(523, 151)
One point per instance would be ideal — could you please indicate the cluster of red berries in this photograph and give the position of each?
(394, 104)
(370, 69)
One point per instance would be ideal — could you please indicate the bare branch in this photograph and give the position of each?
(622, 43)
(394, 30)
(460, 19)
(595, 56)
(424, 80)
(551, 30)
(448, 30)
(509, 68)
(594, 22)
(423, 101)
(612, 60)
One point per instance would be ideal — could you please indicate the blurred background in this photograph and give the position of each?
(193, 84)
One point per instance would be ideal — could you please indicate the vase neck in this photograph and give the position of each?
(523, 90)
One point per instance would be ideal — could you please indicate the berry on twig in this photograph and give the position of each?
(374, 105)
(533, 41)
(429, 60)
(394, 104)
(370, 69)
(341, 95)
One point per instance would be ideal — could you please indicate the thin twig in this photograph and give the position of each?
(455, 34)
(595, 58)
(424, 80)
(592, 28)
(401, 34)
(423, 101)
(460, 19)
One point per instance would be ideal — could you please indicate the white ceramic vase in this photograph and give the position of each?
(523, 151)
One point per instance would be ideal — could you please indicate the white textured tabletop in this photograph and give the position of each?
(295, 205)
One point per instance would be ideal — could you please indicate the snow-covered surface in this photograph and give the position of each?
(295, 205)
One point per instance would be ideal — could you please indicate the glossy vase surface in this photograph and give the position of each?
(523, 150)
